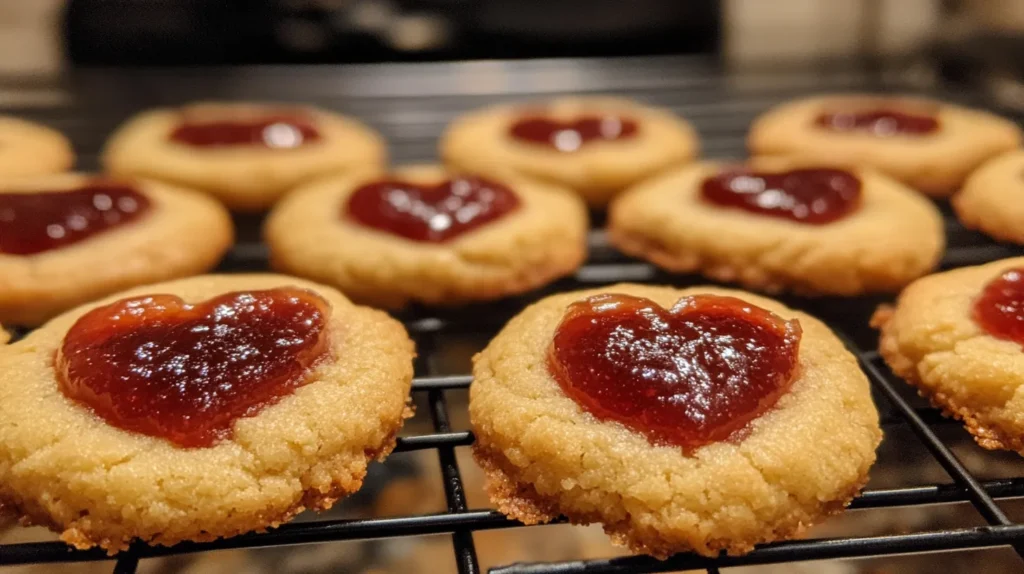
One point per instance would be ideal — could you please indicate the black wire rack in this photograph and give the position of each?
(410, 104)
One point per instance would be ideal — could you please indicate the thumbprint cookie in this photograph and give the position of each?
(67, 239)
(247, 155)
(991, 199)
(958, 337)
(197, 409)
(28, 149)
(929, 145)
(699, 419)
(776, 224)
(595, 146)
(425, 234)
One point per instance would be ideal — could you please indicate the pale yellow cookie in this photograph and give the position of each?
(311, 235)
(28, 148)
(931, 340)
(64, 467)
(893, 237)
(4, 335)
(793, 466)
(991, 199)
(183, 233)
(243, 177)
(935, 163)
(480, 142)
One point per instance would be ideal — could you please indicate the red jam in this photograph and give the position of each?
(571, 136)
(276, 132)
(688, 376)
(999, 310)
(161, 367)
(430, 213)
(35, 222)
(815, 196)
(879, 122)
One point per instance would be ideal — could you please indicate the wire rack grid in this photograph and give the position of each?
(410, 105)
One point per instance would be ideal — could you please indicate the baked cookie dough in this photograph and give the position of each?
(932, 340)
(892, 237)
(990, 200)
(27, 149)
(797, 463)
(246, 176)
(935, 163)
(63, 466)
(313, 234)
(482, 141)
(182, 233)
(4, 335)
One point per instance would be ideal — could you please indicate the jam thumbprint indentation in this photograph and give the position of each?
(688, 376)
(814, 196)
(430, 213)
(570, 136)
(161, 367)
(879, 122)
(275, 132)
(999, 310)
(35, 222)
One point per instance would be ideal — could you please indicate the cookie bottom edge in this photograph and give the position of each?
(520, 501)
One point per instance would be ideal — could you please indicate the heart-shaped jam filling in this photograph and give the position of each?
(999, 310)
(161, 367)
(35, 222)
(815, 196)
(879, 122)
(278, 131)
(430, 213)
(687, 376)
(570, 136)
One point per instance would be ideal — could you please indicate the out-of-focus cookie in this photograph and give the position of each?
(699, 419)
(197, 409)
(957, 336)
(28, 148)
(70, 238)
(776, 224)
(991, 199)
(596, 146)
(4, 335)
(429, 235)
(929, 145)
(247, 155)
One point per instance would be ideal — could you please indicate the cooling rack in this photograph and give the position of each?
(410, 104)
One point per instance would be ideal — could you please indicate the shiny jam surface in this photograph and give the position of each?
(815, 196)
(161, 367)
(879, 122)
(688, 376)
(32, 223)
(275, 131)
(999, 310)
(572, 135)
(430, 213)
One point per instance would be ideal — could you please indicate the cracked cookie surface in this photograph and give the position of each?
(540, 241)
(794, 465)
(930, 339)
(64, 467)
(664, 220)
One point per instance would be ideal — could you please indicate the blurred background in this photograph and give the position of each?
(78, 65)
